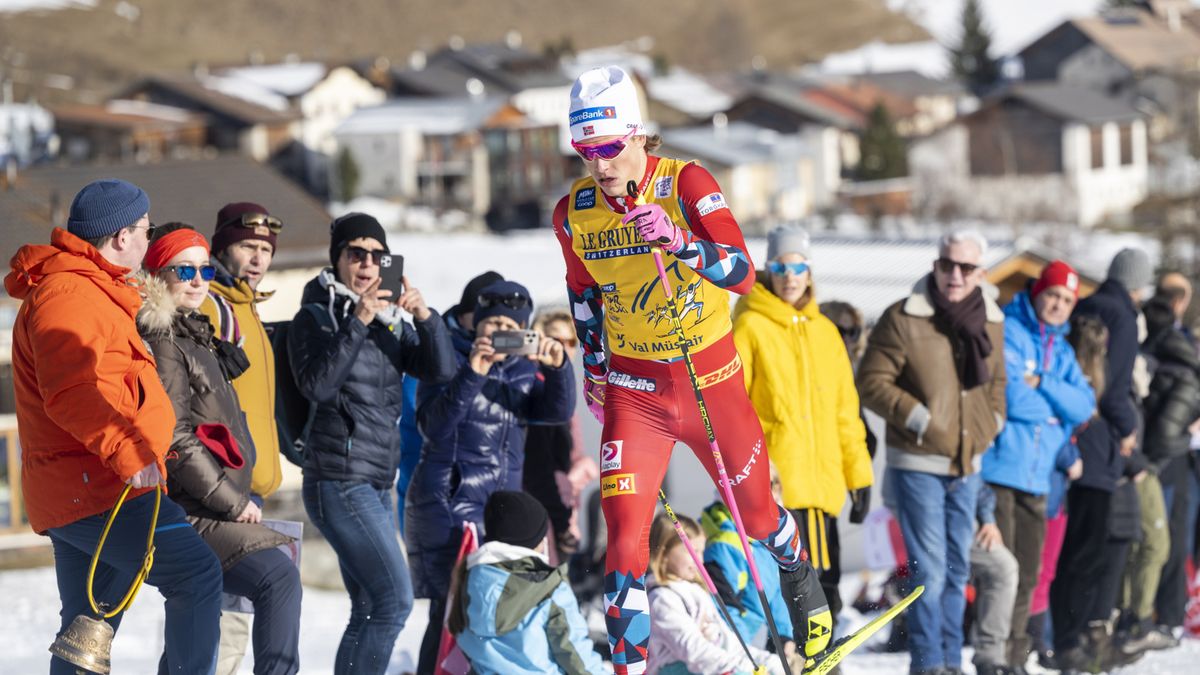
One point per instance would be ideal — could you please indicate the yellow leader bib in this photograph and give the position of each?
(637, 320)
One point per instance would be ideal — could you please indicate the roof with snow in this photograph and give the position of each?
(796, 101)
(437, 116)
(284, 79)
(185, 190)
(912, 84)
(501, 69)
(1071, 103)
(127, 114)
(235, 99)
(735, 144)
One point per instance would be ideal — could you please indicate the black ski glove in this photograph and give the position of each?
(860, 504)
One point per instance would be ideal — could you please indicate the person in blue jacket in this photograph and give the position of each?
(474, 431)
(726, 564)
(513, 612)
(1047, 396)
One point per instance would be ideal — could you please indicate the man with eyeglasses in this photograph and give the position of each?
(93, 417)
(243, 244)
(934, 370)
(636, 378)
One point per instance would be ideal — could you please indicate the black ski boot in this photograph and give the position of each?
(812, 622)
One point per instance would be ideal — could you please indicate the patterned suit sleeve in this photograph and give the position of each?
(587, 303)
(714, 248)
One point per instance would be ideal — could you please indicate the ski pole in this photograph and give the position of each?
(712, 587)
(722, 475)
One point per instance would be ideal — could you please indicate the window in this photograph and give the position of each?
(1126, 131)
(1097, 147)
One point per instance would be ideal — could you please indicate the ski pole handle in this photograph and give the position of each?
(636, 198)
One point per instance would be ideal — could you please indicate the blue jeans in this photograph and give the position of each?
(937, 517)
(185, 571)
(360, 524)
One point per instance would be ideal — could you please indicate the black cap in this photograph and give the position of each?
(352, 226)
(515, 518)
(471, 293)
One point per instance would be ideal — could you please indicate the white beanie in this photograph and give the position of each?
(604, 102)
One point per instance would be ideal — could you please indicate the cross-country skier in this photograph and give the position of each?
(636, 380)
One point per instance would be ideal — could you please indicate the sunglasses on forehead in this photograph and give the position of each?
(946, 266)
(257, 220)
(608, 150)
(509, 300)
(186, 273)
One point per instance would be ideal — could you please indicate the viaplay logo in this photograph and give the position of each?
(589, 114)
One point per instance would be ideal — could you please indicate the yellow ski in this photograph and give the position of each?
(824, 663)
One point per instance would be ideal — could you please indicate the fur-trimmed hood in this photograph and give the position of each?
(157, 315)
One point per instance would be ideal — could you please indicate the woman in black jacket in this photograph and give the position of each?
(349, 350)
(212, 455)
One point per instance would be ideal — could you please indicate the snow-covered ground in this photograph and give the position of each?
(28, 5)
(30, 620)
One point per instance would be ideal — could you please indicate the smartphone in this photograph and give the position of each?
(391, 274)
(515, 342)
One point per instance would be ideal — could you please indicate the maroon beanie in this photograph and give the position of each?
(229, 228)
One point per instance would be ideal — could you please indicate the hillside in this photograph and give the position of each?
(99, 49)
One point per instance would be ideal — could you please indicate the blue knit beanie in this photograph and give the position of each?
(499, 298)
(104, 207)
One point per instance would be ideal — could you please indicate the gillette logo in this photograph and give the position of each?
(589, 114)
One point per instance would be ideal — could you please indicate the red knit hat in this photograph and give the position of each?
(1057, 273)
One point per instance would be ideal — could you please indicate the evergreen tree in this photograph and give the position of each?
(347, 173)
(884, 154)
(970, 59)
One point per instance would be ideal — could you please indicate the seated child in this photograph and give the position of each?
(688, 636)
(511, 612)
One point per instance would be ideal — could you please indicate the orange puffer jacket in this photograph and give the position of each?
(91, 411)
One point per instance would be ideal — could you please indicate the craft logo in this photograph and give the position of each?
(617, 484)
(589, 114)
(627, 381)
(589, 130)
(745, 472)
(713, 202)
(585, 198)
(610, 456)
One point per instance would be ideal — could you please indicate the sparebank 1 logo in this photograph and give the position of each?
(590, 114)
(610, 456)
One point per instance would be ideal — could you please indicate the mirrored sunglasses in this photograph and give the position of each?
(608, 150)
(253, 220)
(509, 300)
(779, 269)
(186, 273)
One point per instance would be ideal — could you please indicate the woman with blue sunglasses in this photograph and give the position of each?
(801, 383)
(212, 454)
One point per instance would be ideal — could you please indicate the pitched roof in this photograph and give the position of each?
(123, 114)
(441, 116)
(800, 103)
(185, 190)
(912, 84)
(1135, 38)
(1072, 103)
(217, 95)
(736, 144)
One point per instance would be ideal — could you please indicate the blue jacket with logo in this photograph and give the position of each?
(1040, 420)
(474, 431)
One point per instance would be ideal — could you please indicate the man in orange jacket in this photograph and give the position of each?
(92, 416)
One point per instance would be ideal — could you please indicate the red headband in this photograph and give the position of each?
(169, 245)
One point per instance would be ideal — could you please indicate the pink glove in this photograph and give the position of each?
(655, 227)
(593, 392)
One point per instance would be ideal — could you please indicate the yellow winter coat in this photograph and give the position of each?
(802, 385)
(255, 387)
